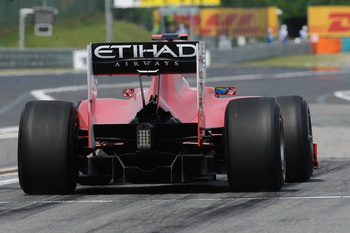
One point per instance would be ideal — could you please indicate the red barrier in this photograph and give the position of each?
(327, 45)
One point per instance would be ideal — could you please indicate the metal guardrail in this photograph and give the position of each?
(35, 58)
(258, 51)
(68, 58)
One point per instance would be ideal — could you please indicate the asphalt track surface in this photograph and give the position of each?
(320, 205)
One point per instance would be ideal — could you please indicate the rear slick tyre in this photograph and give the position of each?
(46, 147)
(298, 135)
(254, 145)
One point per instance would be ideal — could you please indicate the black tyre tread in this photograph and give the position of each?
(46, 147)
(298, 135)
(252, 143)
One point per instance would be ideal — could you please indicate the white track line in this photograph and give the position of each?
(9, 181)
(9, 132)
(345, 95)
(44, 94)
(13, 103)
(334, 197)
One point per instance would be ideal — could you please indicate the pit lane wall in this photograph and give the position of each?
(329, 28)
(11, 58)
(75, 58)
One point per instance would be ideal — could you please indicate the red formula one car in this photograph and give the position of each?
(165, 132)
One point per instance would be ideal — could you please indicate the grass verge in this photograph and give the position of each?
(340, 60)
(77, 33)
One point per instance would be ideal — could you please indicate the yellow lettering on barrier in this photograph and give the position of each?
(156, 3)
(249, 22)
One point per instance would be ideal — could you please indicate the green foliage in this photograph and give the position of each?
(77, 33)
(291, 9)
(140, 16)
(67, 9)
(339, 60)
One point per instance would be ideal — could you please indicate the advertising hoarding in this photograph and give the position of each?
(329, 21)
(158, 3)
(233, 22)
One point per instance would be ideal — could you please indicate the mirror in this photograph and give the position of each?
(224, 91)
(128, 92)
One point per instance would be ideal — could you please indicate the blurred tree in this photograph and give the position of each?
(141, 16)
(290, 9)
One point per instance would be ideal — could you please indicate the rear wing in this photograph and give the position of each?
(145, 58)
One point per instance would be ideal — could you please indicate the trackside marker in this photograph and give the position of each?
(10, 181)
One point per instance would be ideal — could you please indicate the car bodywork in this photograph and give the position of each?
(165, 130)
(179, 124)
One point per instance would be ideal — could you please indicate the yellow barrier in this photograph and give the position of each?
(233, 22)
(329, 21)
(156, 3)
(248, 22)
